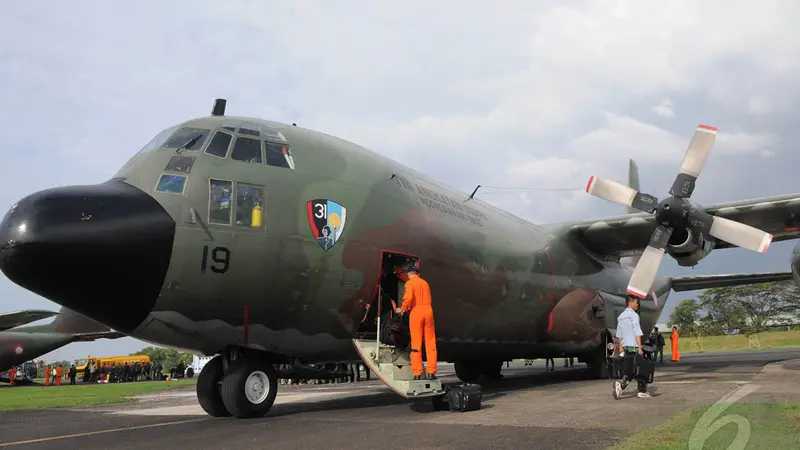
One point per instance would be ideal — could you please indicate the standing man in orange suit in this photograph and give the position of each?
(417, 299)
(676, 355)
(59, 374)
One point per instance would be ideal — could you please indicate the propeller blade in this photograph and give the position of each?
(647, 267)
(740, 235)
(694, 160)
(619, 193)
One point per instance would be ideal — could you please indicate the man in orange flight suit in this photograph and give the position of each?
(417, 299)
(59, 375)
(676, 355)
(12, 374)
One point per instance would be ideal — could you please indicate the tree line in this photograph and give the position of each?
(749, 309)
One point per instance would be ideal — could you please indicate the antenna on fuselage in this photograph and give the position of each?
(473, 192)
(219, 107)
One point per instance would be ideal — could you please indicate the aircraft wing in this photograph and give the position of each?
(19, 318)
(697, 282)
(628, 235)
(87, 337)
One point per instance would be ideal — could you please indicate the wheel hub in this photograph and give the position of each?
(256, 387)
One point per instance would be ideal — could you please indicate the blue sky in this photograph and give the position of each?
(527, 95)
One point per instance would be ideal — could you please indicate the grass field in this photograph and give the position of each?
(771, 425)
(66, 396)
(772, 339)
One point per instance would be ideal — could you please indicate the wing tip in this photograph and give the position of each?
(707, 129)
(633, 291)
(590, 184)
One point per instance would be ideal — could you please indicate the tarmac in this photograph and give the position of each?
(528, 408)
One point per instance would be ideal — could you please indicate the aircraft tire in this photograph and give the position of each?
(249, 388)
(208, 389)
(469, 371)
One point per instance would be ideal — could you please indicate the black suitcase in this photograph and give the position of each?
(464, 397)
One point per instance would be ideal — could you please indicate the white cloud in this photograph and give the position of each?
(665, 109)
(529, 95)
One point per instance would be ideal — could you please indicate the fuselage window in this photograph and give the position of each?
(247, 150)
(249, 205)
(158, 141)
(219, 144)
(219, 205)
(279, 155)
(179, 163)
(172, 184)
(188, 139)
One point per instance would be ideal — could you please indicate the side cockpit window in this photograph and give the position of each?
(249, 205)
(279, 155)
(247, 210)
(220, 202)
(188, 138)
(171, 184)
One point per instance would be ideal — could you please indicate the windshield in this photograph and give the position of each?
(188, 138)
(158, 141)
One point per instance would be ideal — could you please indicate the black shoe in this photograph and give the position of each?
(431, 376)
(417, 377)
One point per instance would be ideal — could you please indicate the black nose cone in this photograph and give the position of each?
(100, 250)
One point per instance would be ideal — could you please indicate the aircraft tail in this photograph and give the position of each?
(19, 318)
(70, 322)
(633, 181)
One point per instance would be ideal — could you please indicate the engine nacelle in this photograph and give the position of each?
(688, 248)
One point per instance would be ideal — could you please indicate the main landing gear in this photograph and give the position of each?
(238, 384)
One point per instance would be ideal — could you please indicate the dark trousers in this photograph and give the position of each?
(659, 354)
(630, 363)
(354, 373)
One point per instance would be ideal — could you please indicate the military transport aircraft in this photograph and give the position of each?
(24, 343)
(266, 243)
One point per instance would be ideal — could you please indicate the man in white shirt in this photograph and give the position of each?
(629, 341)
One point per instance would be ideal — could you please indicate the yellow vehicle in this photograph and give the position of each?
(111, 360)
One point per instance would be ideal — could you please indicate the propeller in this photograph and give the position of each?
(677, 211)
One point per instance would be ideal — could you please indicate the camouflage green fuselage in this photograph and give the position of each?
(496, 279)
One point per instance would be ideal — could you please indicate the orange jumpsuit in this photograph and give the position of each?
(59, 375)
(676, 355)
(11, 375)
(417, 299)
(47, 376)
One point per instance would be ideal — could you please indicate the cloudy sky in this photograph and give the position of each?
(514, 93)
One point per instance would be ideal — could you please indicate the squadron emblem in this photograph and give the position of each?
(18, 350)
(327, 219)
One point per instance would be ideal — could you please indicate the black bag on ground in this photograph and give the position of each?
(395, 331)
(464, 397)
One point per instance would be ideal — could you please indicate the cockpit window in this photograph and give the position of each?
(249, 129)
(188, 138)
(220, 204)
(158, 141)
(180, 163)
(172, 184)
(279, 155)
(219, 144)
(249, 205)
(270, 133)
(247, 150)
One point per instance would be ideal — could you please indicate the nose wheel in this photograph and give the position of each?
(246, 388)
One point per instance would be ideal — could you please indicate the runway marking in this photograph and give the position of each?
(92, 433)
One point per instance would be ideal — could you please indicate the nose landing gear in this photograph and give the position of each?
(243, 385)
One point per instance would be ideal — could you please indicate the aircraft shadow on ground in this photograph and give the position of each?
(492, 389)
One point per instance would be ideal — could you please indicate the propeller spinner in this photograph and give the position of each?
(677, 211)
